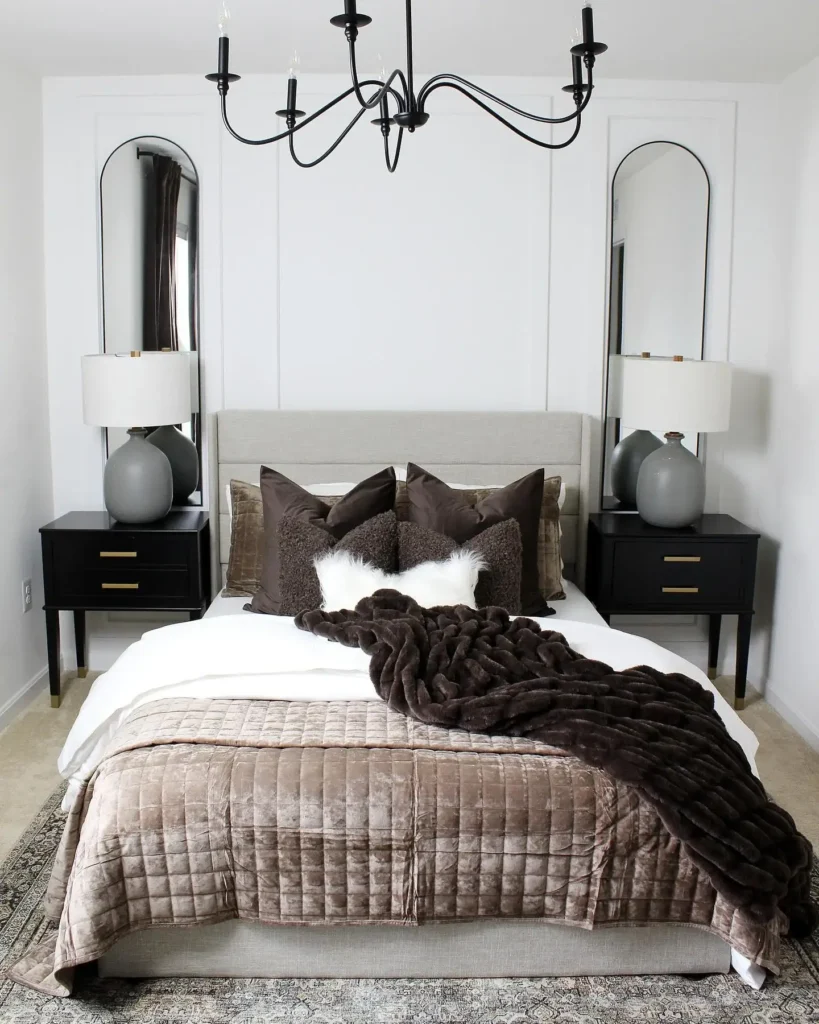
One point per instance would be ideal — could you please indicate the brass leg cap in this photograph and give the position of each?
(82, 673)
(55, 700)
(739, 703)
(712, 673)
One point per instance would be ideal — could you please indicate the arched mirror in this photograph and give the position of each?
(149, 196)
(659, 251)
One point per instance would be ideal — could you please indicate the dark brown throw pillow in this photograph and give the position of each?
(300, 543)
(437, 506)
(500, 545)
(282, 497)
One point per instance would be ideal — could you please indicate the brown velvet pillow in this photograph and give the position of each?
(244, 569)
(300, 543)
(282, 497)
(458, 514)
(500, 545)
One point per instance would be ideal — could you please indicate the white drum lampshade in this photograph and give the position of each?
(691, 396)
(147, 389)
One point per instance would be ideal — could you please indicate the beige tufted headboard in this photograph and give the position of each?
(462, 447)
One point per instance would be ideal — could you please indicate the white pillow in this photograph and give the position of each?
(345, 579)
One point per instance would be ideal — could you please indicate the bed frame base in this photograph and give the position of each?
(483, 949)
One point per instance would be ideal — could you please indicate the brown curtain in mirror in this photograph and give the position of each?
(159, 304)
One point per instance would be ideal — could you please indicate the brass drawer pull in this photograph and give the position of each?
(120, 586)
(682, 558)
(118, 554)
(681, 590)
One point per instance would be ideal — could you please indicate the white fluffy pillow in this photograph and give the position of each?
(346, 578)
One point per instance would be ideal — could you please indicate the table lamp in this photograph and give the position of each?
(137, 391)
(674, 395)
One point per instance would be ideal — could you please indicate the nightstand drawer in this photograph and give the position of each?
(671, 574)
(118, 587)
(116, 549)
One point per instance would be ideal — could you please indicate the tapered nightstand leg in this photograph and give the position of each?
(53, 644)
(714, 626)
(743, 647)
(79, 641)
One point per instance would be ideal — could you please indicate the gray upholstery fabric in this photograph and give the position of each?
(472, 949)
(468, 448)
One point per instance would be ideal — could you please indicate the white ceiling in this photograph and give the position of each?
(725, 40)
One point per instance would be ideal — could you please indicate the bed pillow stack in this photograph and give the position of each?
(280, 530)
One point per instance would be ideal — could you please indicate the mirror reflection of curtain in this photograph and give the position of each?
(159, 292)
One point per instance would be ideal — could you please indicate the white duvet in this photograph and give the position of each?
(264, 657)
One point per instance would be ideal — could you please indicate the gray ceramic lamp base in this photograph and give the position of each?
(138, 484)
(183, 457)
(626, 460)
(671, 485)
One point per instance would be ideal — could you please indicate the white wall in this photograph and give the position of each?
(473, 278)
(25, 470)
(772, 463)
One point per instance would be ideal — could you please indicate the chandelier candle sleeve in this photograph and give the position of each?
(398, 101)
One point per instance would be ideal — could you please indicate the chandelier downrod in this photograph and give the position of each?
(398, 103)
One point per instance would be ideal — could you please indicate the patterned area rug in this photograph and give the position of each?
(793, 998)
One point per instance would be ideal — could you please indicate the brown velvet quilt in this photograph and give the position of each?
(348, 812)
(484, 671)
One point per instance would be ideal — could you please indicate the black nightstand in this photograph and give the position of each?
(705, 569)
(93, 563)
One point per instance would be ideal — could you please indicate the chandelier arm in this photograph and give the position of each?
(498, 117)
(332, 149)
(443, 79)
(289, 131)
(384, 87)
(392, 164)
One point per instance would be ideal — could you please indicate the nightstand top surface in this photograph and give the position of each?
(630, 525)
(175, 522)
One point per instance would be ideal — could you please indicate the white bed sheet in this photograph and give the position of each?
(576, 607)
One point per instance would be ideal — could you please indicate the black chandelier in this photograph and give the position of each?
(395, 97)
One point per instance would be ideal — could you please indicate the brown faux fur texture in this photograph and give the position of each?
(485, 672)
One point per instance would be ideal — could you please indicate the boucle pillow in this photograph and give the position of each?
(499, 547)
(301, 543)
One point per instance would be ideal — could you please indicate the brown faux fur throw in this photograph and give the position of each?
(485, 672)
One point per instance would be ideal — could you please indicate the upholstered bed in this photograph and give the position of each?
(651, 909)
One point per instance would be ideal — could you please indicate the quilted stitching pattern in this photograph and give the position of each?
(348, 813)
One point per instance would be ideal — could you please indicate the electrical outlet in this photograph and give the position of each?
(27, 598)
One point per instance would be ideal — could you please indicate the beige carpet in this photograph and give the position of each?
(30, 745)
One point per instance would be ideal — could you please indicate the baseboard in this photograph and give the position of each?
(794, 720)
(24, 696)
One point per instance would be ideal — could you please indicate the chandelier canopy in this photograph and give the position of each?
(395, 96)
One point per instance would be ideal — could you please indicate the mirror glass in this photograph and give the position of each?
(659, 248)
(149, 195)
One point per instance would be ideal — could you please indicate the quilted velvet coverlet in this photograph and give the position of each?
(485, 671)
(349, 813)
